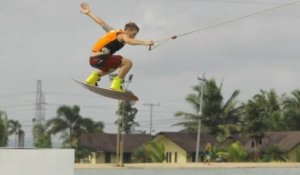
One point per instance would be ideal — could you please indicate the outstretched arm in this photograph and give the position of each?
(85, 9)
(133, 41)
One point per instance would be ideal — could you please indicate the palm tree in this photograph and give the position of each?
(291, 111)
(230, 122)
(217, 115)
(150, 152)
(273, 110)
(14, 127)
(190, 120)
(3, 129)
(155, 151)
(255, 123)
(262, 113)
(71, 124)
(90, 126)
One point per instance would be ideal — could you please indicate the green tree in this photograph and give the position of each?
(236, 153)
(90, 126)
(128, 113)
(231, 153)
(42, 138)
(291, 110)
(149, 152)
(274, 153)
(156, 151)
(255, 123)
(217, 151)
(14, 128)
(230, 122)
(71, 124)
(139, 155)
(262, 113)
(273, 111)
(219, 118)
(3, 129)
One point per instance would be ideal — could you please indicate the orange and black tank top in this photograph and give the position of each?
(109, 43)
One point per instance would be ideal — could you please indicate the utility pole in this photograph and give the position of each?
(202, 81)
(151, 112)
(120, 134)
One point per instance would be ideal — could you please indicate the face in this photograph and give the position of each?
(132, 33)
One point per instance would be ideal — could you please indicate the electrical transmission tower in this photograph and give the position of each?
(39, 104)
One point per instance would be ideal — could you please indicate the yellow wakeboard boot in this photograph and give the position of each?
(117, 84)
(93, 78)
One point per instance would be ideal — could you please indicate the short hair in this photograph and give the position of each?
(131, 25)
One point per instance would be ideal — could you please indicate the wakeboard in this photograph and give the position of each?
(126, 96)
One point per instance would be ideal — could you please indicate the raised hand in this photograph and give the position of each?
(85, 8)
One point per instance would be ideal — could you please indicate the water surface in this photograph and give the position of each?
(189, 171)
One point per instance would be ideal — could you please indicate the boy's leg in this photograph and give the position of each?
(124, 68)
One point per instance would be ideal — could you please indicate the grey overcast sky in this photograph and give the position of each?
(51, 41)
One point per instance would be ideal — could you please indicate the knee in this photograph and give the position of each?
(128, 62)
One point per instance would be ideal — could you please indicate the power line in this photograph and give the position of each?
(164, 40)
(100, 107)
(238, 2)
(16, 94)
(17, 105)
(69, 94)
(241, 2)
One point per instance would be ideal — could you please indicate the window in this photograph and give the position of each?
(168, 157)
(107, 157)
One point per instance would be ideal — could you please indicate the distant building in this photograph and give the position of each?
(287, 141)
(105, 146)
(181, 147)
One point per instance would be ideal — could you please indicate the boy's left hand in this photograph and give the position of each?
(85, 8)
(150, 43)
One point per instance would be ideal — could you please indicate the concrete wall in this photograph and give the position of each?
(36, 161)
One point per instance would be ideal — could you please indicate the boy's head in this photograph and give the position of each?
(132, 29)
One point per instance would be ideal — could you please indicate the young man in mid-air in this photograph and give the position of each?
(103, 57)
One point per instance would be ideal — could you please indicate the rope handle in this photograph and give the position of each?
(162, 41)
